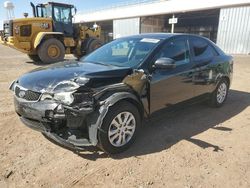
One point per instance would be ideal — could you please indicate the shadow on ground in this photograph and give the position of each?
(40, 63)
(167, 128)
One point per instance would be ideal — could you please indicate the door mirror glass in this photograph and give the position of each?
(164, 63)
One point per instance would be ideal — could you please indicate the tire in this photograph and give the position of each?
(219, 96)
(93, 45)
(51, 51)
(88, 45)
(105, 135)
(34, 58)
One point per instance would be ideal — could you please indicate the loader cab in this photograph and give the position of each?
(60, 13)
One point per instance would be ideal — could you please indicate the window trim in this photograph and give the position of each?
(191, 38)
(153, 59)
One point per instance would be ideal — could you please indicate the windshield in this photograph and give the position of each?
(126, 52)
(44, 11)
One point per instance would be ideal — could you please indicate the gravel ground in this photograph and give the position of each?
(196, 146)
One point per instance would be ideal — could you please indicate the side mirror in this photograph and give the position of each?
(164, 63)
(75, 11)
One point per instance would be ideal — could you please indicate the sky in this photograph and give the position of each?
(22, 6)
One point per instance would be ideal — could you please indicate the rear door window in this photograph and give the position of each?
(202, 49)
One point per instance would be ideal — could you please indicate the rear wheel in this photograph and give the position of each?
(51, 51)
(119, 128)
(88, 46)
(219, 96)
(93, 45)
(34, 58)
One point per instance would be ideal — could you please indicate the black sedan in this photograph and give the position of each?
(102, 99)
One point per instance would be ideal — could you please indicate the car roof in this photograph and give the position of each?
(161, 36)
(152, 35)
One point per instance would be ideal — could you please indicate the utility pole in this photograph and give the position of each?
(172, 29)
(173, 21)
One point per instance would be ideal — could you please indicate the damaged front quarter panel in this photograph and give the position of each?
(133, 87)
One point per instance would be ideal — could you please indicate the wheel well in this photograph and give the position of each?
(136, 104)
(227, 79)
(58, 37)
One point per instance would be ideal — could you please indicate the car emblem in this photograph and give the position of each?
(21, 94)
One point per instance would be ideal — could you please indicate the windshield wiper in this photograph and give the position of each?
(101, 63)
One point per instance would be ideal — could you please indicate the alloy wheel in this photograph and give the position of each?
(222, 93)
(121, 129)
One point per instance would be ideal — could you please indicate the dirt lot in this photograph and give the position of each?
(196, 146)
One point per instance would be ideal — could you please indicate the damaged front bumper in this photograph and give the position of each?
(63, 124)
(69, 127)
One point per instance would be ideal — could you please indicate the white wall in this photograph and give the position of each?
(125, 27)
(234, 30)
(156, 8)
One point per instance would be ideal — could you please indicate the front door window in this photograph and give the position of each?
(177, 50)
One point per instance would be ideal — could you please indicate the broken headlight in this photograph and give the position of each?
(63, 97)
(46, 96)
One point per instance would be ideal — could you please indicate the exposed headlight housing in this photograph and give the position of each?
(82, 80)
(64, 97)
(64, 91)
(46, 96)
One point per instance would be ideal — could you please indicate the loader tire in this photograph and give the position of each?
(88, 46)
(51, 51)
(34, 58)
(93, 45)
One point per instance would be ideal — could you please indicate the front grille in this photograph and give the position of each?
(25, 30)
(27, 94)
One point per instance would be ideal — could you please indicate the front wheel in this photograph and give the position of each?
(51, 51)
(119, 128)
(219, 96)
(34, 58)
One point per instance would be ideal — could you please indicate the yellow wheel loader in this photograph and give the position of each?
(50, 34)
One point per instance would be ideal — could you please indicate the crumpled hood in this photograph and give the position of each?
(46, 78)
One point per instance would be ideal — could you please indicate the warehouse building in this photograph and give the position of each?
(226, 22)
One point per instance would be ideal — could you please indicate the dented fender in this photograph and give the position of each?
(103, 110)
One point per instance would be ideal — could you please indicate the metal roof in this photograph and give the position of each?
(155, 8)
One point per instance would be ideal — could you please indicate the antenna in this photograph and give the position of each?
(9, 6)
